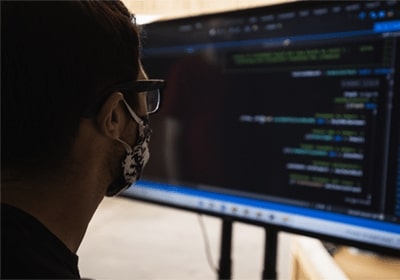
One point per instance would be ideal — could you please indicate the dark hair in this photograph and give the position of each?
(57, 57)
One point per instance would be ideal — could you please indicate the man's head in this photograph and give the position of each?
(58, 59)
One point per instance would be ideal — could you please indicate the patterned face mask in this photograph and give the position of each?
(135, 158)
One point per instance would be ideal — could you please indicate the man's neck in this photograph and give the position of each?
(65, 207)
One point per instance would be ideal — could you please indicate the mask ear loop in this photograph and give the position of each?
(140, 122)
(132, 113)
(128, 148)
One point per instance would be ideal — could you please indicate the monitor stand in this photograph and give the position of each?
(225, 262)
(270, 251)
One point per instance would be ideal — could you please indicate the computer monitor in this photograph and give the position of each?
(284, 115)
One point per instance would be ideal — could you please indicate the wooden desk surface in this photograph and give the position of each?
(363, 265)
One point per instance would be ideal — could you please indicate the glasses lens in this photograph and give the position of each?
(152, 100)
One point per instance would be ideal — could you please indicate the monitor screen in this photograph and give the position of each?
(285, 115)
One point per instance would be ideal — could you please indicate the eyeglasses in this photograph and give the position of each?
(151, 89)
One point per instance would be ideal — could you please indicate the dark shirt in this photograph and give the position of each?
(29, 250)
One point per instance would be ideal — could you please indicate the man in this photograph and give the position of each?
(75, 103)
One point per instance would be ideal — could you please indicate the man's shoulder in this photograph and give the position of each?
(30, 250)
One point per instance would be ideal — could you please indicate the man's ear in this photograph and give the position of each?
(111, 118)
